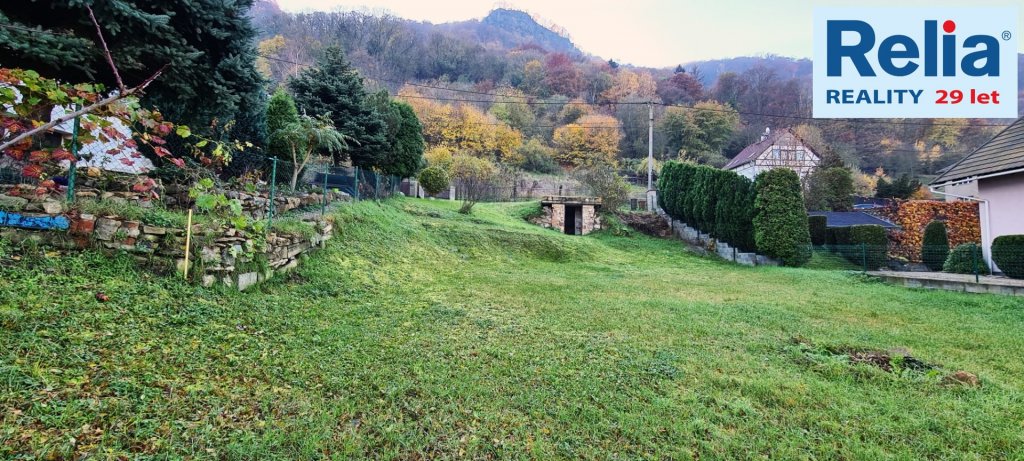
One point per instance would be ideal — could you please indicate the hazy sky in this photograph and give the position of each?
(652, 32)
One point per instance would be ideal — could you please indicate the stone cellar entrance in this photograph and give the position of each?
(571, 215)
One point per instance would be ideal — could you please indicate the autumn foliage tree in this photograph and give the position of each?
(465, 129)
(592, 140)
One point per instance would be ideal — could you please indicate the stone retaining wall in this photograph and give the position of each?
(703, 243)
(218, 256)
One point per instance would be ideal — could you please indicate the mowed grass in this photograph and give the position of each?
(420, 333)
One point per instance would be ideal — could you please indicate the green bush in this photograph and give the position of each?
(1008, 254)
(935, 246)
(818, 226)
(869, 245)
(434, 180)
(718, 202)
(605, 182)
(965, 259)
(538, 157)
(780, 220)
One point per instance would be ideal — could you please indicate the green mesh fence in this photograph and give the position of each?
(1006, 260)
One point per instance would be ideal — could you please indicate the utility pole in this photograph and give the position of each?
(652, 197)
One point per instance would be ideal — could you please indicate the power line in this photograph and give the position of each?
(526, 101)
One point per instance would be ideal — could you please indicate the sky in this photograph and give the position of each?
(655, 33)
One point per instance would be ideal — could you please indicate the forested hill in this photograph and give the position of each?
(512, 29)
(548, 82)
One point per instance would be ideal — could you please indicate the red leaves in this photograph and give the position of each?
(145, 185)
(60, 155)
(48, 184)
(32, 171)
(178, 162)
(123, 123)
(38, 156)
(161, 151)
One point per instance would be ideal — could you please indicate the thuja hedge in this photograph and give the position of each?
(766, 216)
(780, 220)
(1008, 254)
(716, 202)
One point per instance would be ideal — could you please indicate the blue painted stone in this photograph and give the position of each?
(45, 222)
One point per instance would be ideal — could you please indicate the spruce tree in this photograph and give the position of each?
(207, 46)
(334, 88)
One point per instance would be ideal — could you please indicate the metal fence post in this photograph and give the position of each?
(376, 186)
(864, 255)
(273, 190)
(355, 184)
(974, 261)
(73, 167)
(323, 206)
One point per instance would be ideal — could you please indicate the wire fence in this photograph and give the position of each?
(964, 259)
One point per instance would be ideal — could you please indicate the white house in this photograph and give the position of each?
(996, 172)
(779, 149)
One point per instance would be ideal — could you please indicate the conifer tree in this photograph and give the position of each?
(334, 88)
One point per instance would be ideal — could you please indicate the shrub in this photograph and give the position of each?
(474, 176)
(718, 202)
(603, 181)
(780, 220)
(818, 226)
(434, 180)
(1008, 254)
(538, 157)
(935, 246)
(965, 259)
(961, 219)
(869, 245)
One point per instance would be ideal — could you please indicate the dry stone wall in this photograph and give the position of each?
(218, 256)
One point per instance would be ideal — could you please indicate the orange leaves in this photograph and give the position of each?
(593, 139)
(962, 224)
(32, 170)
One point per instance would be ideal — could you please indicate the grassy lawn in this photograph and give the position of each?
(420, 333)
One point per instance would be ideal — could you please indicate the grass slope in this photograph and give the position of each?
(424, 334)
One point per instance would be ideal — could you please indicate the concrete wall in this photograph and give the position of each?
(967, 189)
(1003, 215)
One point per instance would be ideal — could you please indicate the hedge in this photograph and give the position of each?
(965, 259)
(1008, 254)
(857, 243)
(818, 226)
(961, 218)
(935, 246)
(873, 242)
(716, 202)
(780, 219)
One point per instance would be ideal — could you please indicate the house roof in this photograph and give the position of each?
(851, 218)
(749, 153)
(1004, 152)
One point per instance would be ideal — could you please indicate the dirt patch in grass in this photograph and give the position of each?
(887, 360)
(647, 223)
